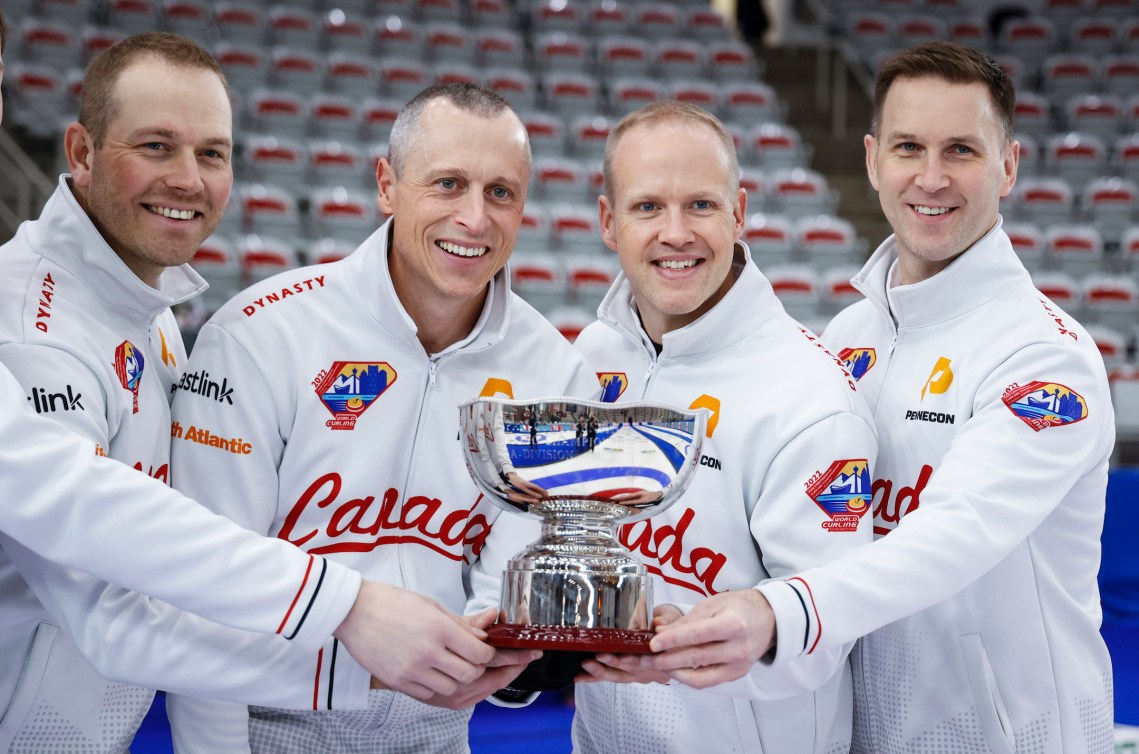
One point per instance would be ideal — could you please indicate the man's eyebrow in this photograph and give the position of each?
(166, 133)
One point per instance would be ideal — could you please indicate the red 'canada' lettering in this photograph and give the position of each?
(666, 545)
(289, 290)
(358, 524)
(889, 511)
(43, 311)
(162, 473)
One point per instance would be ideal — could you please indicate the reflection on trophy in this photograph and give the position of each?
(583, 468)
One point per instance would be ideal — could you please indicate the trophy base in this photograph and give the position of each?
(570, 638)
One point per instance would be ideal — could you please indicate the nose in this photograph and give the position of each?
(472, 213)
(933, 176)
(185, 174)
(676, 231)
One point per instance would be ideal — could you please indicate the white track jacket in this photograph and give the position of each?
(782, 485)
(310, 398)
(996, 427)
(97, 350)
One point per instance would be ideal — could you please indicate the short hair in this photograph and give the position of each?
(952, 62)
(673, 112)
(470, 98)
(3, 32)
(97, 104)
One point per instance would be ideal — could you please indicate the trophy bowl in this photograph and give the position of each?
(582, 468)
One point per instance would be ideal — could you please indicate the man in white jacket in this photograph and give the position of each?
(784, 480)
(85, 326)
(346, 380)
(996, 429)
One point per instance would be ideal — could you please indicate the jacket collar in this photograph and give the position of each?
(371, 282)
(747, 306)
(65, 235)
(982, 272)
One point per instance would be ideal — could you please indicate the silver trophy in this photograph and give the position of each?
(583, 468)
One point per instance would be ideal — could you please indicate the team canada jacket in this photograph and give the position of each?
(333, 429)
(97, 350)
(782, 484)
(996, 427)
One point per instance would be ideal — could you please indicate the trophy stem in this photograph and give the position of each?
(578, 576)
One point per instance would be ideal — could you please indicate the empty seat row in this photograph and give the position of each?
(1108, 205)
(1075, 249)
(1107, 116)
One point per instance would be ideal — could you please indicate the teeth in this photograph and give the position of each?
(463, 251)
(173, 214)
(669, 264)
(930, 210)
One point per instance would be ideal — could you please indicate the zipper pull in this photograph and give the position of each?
(431, 373)
(893, 342)
(649, 371)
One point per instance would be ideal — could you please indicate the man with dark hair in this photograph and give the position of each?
(783, 480)
(85, 326)
(979, 598)
(345, 380)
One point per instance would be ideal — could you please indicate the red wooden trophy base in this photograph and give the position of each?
(570, 638)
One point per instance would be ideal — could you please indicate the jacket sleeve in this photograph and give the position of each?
(131, 638)
(793, 533)
(195, 559)
(998, 481)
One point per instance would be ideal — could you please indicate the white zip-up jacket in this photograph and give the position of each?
(97, 350)
(53, 476)
(310, 400)
(782, 485)
(988, 500)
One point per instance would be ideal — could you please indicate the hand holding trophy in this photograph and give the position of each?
(577, 588)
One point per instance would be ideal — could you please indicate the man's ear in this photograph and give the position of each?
(386, 186)
(871, 159)
(79, 149)
(605, 215)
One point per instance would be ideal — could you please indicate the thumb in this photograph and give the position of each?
(481, 621)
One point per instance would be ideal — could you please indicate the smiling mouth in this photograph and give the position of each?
(922, 209)
(172, 214)
(677, 264)
(462, 251)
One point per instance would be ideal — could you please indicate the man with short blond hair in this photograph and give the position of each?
(783, 480)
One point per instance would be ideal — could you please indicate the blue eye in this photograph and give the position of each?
(448, 183)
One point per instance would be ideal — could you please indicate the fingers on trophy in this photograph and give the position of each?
(576, 588)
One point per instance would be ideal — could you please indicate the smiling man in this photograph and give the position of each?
(86, 327)
(345, 394)
(783, 481)
(996, 427)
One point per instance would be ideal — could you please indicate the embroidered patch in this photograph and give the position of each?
(129, 364)
(843, 491)
(857, 361)
(613, 385)
(347, 388)
(1045, 404)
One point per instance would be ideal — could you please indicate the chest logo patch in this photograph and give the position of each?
(613, 385)
(843, 491)
(129, 364)
(347, 388)
(940, 378)
(858, 361)
(1045, 404)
